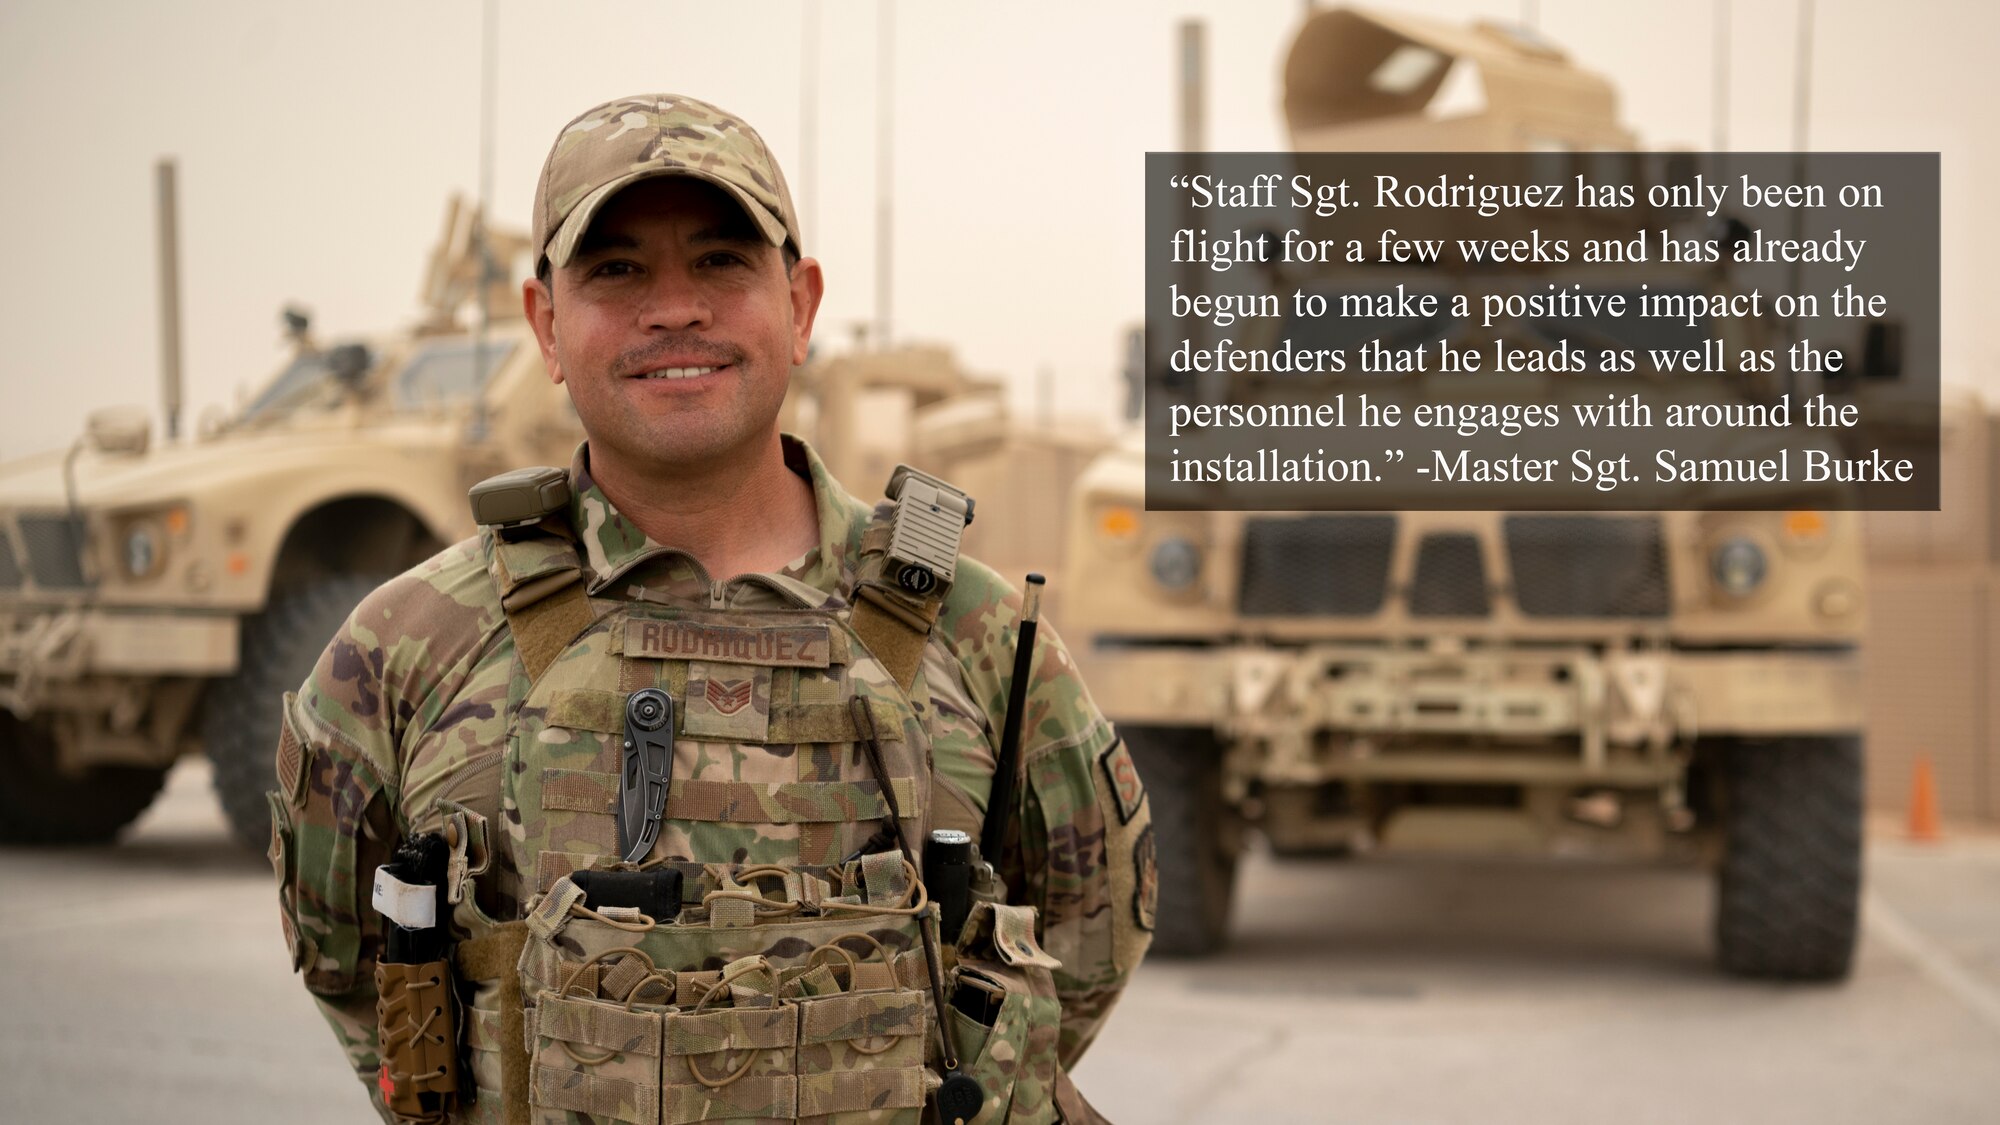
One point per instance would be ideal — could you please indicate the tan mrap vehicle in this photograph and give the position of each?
(1671, 684)
(156, 600)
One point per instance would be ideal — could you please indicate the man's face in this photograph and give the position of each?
(675, 326)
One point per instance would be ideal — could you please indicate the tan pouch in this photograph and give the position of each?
(861, 1057)
(737, 1064)
(414, 1012)
(1012, 1057)
(596, 1060)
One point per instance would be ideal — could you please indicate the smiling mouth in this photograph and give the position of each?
(680, 372)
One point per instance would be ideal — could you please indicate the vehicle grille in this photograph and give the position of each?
(10, 569)
(1587, 566)
(1450, 580)
(1316, 566)
(54, 548)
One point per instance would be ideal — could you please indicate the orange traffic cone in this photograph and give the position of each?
(1923, 803)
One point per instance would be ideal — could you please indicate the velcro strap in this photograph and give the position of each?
(604, 712)
(588, 709)
(527, 559)
(830, 722)
(894, 629)
(1014, 937)
(540, 580)
(887, 878)
(536, 589)
(598, 1024)
(750, 1098)
(816, 981)
(732, 1029)
(784, 802)
(471, 852)
(861, 1091)
(692, 985)
(735, 802)
(603, 1098)
(908, 972)
(732, 913)
(861, 1016)
(583, 979)
(552, 913)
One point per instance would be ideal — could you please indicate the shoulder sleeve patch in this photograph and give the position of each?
(1126, 791)
(1145, 880)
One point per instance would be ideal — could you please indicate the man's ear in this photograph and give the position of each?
(539, 305)
(808, 286)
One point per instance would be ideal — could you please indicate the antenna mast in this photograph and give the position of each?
(489, 34)
(167, 230)
(885, 155)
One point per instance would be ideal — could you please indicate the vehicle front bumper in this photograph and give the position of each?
(1621, 710)
(41, 647)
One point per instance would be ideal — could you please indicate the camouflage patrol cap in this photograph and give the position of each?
(612, 146)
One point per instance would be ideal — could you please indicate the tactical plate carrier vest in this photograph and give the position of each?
(794, 984)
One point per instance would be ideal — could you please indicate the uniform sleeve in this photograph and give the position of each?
(331, 827)
(1085, 863)
(1082, 854)
(341, 805)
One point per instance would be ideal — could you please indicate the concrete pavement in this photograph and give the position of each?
(146, 983)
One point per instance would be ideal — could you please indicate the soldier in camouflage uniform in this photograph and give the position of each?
(672, 301)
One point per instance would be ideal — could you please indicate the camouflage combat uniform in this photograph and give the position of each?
(406, 714)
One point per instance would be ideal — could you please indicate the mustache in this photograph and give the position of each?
(711, 353)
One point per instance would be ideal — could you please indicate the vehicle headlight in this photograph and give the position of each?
(1175, 563)
(1739, 566)
(145, 550)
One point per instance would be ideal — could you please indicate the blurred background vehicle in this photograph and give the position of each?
(1638, 685)
(157, 600)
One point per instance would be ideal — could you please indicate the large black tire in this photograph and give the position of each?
(40, 804)
(1788, 895)
(1181, 769)
(241, 714)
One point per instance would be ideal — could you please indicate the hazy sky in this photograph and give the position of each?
(317, 144)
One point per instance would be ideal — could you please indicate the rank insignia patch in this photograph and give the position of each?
(728, 696)
(730, 702)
